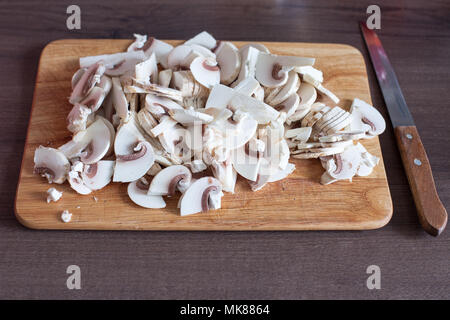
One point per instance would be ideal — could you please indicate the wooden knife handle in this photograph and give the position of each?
(432, 214)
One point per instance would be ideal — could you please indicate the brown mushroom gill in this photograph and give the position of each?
(141, 185)
(339, 164)
(205, 197)
(117, 65)
(210, 67)
(91, 170)
(174, 183)
(370, 123)
(276, 71)
(146, 45)
(89, 77)
(135, 155)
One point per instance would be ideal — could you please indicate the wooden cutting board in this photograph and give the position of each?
(299, 202)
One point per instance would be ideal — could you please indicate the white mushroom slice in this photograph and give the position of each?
(168, 180)
(132, 166)
(177, 56)
(116, 64)
(229, 62)
(368, 161)
(343, 136)
(315, 145)
(366, 118)
(137, 192)
(160, 106)
(259, 93)
(204, 39)
(328, 93)
(257, 46)
(205, 71)
(164, 77)
(248, 86)
(299, 134)
(94, 99)
(51, 164)
(315, 108)
(119, 100)
(97, 175)
(105, 83)
(173, 141)
(307, 94)
(160, 48)
(338, 124)
(202, 51)
(258, 110)
(196, 165)
(316, 152)
(146, 120)
(313, 75)
(282, 173)
(197, 196)
(344, 165)
(77, 76)
(290, 88)
(158, 90)
(166, 123)
(328, 118)
(272, 70)
(112, 133)
(289, 106)
(138, 43)
(249, 56)
(147, 71)
(299, 114)
(97, 142)
(219, 97)
(189, 116)
(87, 81)
(246, 162)
(77, 118)
(224, 172)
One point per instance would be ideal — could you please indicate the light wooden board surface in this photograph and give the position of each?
(298, 202)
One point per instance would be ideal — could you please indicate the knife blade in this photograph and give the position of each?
(431, 212)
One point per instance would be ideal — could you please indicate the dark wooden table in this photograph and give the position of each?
(239, 265)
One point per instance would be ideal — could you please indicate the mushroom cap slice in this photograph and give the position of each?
(248, 86)
(97, 175)
(291, 87)
(258, 110)
(119, 100)
(99, 136)
(205, 71)
(94, 99)
(77, 76)
(344, 165)
(88, 79)
(177, 56)
(229, 61)
(116, 64)
(197, 196)
(272, 70)
(51, 164)
(219, 97)
(289, 106)
(366, 117)
(130, 167)
(249, 57)
(160, 48)
(307, 94)
(190, 116)
(257, 46)
(246, 162)
(204, 39)
(138, 43)
(169, 179)
(77, 118)
(160, 106)
(77, 184)
(147, 71)
(138, 194)
(112, 133)
(282, 173)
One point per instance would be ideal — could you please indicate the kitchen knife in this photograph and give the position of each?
(431, 212)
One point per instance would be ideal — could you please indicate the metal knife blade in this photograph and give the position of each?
(392, 93)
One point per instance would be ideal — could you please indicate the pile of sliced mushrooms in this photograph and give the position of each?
(189, 119)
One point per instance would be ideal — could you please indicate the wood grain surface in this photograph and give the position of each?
(432, 214)
(239, 265)
(298, 202)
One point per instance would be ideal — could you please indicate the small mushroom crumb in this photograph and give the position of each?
(53, 195)
(95, 198)
(78, 207)
(66, 216)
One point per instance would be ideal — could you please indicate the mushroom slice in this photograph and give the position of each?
(200, 196)
(229, 62)
(112, 133)
(258, 110)
(177, 56)
(164, 77)
(138, 43)
(344, 165)
(132, 166)
(249, 56)
(257, 46)
(224, 172)
(119, 100)
(338, 124)
(97, 175)
(343, 136)
(282, 173)
(94, 99)
(246, 162)
(307, 94)
(51, 164)
(329, 118)
(366, 118)
(272, 70)
(147, 71)
(316, 152)
(315, 77)
(158, 90)
(299, 134)
(77, 184)
(315, 109)
(77, 118)
(116, 64)
(248, 86)
(169, 179)
(204, 39)
(368, 161)
(77, 76)
(90, 77)
(137, 191)
(291, 87)
(289, 105)
(166, 123)
(205, 71)
(160, 106)
(173, 141)
(99, 141)
(189, 116)
(160, 48)
(219, 97)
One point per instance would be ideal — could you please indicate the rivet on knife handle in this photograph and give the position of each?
(432, 214)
